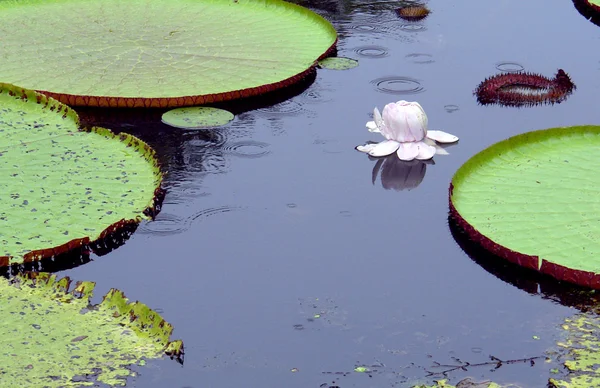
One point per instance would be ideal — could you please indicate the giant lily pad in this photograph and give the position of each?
(63, 187)
(156, 53)
(52, 337)
(533, 200)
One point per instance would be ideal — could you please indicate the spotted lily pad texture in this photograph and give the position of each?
(156, 53)
(196, 117)
(53, 337)
(533, 199)
(63, 187)
(581, 349)
(338, 63)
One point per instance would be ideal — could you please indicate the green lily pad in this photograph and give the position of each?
(196, 117)
(581, 349)
(533, 200)
(156, 53)
(63, 187)
(338, 63)
(52, 337)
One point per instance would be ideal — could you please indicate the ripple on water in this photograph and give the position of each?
(212, 211)
(365, 27)
(285, 108)
(371, 51)
(420, 58)
(413, 27)
(398, 85)
(165, 224)
(207, 162)
(451, 108)
(170, 224)
(246, 149)
(509, 67)
(314, 95)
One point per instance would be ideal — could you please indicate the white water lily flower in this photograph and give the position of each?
(404, 125)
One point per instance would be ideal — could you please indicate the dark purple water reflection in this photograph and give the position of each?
(275, 218)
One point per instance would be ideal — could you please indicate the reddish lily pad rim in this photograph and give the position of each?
(201, 99)
(87, 243)
(532, 262)
(588, 10)
(114, 300)
(177, 102)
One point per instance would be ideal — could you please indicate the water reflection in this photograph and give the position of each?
(399, 175)
(527, 280)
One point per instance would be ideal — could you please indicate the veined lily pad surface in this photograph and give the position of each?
(156, 53)
(52, 337)
(533, 199)
(63, 187)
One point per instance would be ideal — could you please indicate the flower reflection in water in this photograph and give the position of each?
(399, 175)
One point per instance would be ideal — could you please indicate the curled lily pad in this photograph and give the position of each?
(156, 53)
(533, 200)
(63, 187)
(53, 337)
(338, 63)
(196, 117)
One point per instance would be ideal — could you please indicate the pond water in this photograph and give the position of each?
(275, 249)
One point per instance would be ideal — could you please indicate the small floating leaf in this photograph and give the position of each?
(63, 187)
(361, 369)
(534, 200)
(40, 316)
(196, 117)
(338, 63)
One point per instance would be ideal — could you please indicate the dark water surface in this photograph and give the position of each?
(275, 218)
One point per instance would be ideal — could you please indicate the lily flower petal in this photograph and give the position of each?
(442, 137)
(377, 117)
(372, 127)
(366, 148)
(408, 151)
(425, 151)
(439, 150)
(385, 148)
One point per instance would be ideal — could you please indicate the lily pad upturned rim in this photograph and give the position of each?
(111, 231)
(115, 312)
(532, 262)
(588, 10)
(142, 101)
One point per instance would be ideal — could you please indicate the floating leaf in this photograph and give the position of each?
(196, 117)
(63, 187)
(533, 200)
(52, 337)
(338, 63)
(524, 89)
(156, 53)
(581, 349)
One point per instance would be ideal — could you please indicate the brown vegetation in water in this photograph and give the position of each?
(413, 13)
(524, 89)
